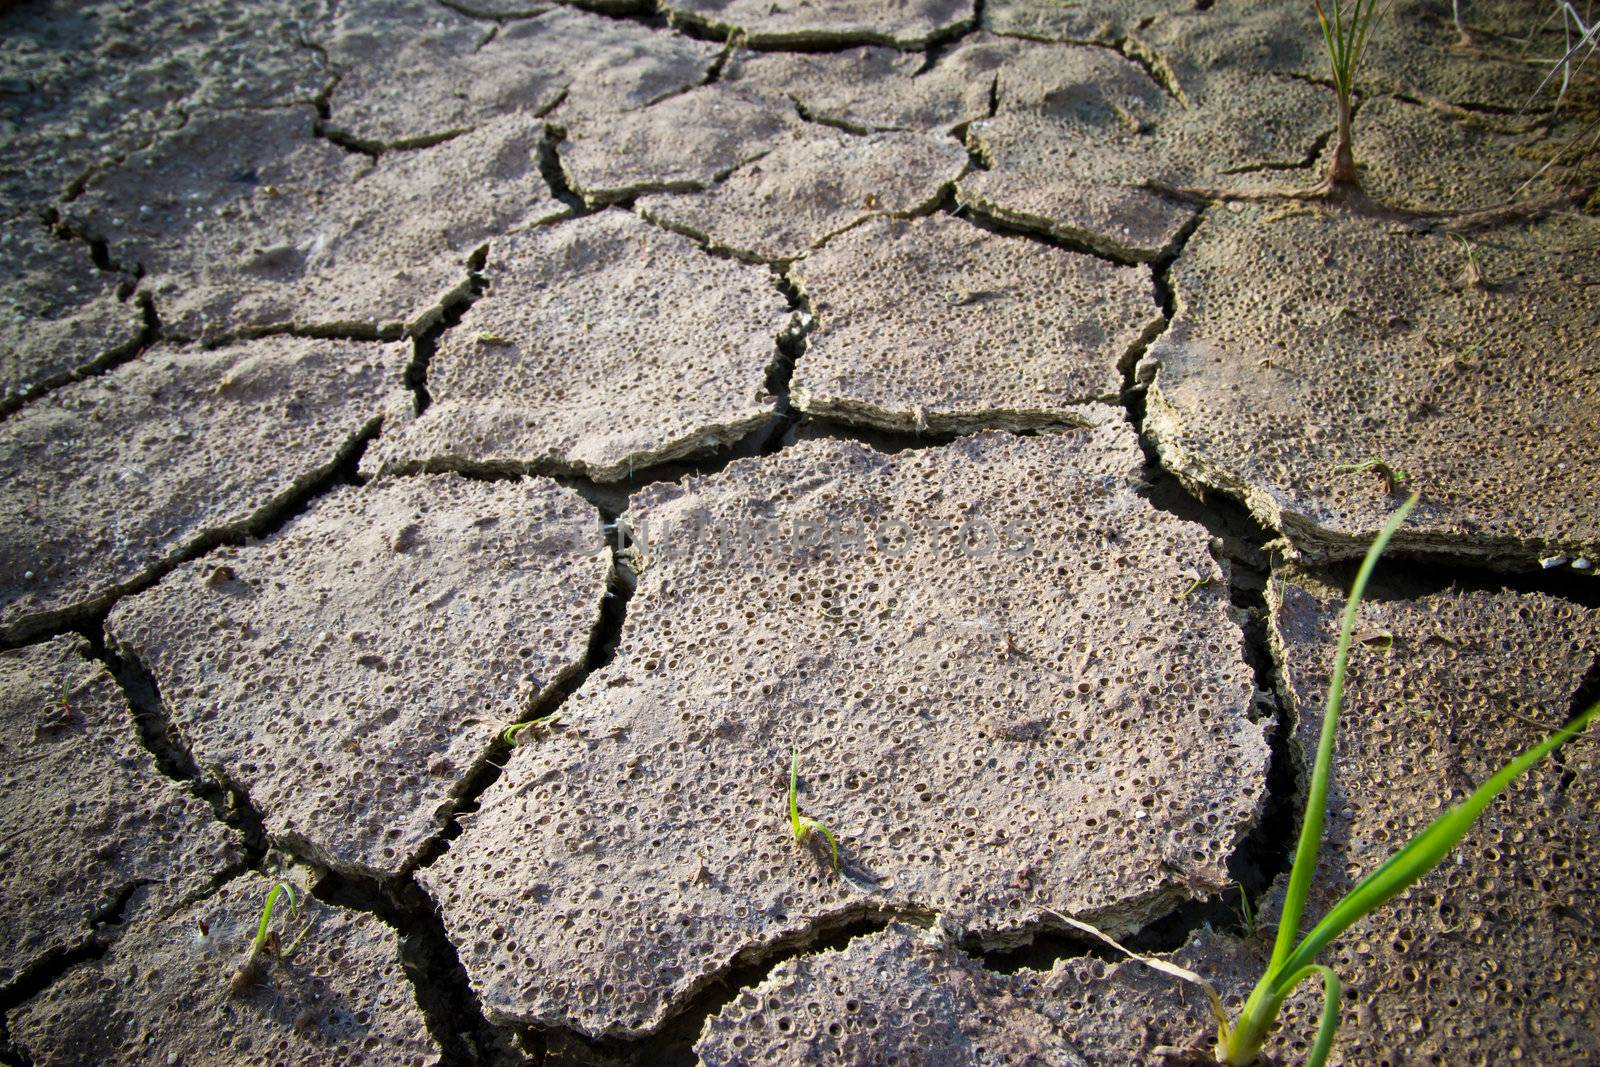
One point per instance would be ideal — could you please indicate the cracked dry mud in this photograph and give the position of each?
(810, 188)
(246, 223)
(112, 479)
(1080, 131)
(1483, 961)
(164, 991)
(686, 142)
(345, 673)
(937, 325)
(462, 72)
(1310, 342)
(955, 396)
(105, 836)
(590, 890)
(60, 316)
(588, 354)
(874, 89)
(903, 24)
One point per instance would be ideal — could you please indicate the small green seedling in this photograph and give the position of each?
(265, 943)
(1344, 32)
(1393, 477)
(1194, 587)
(1239, 1041)
(1471, 276)
(512, 735)
(803, 826)
(62, 706)
(1246, 913)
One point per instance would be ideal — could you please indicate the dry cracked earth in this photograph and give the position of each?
(943, 391)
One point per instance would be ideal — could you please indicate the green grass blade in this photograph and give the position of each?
(1305, 853)
(794, 803)
(266, 912)
(813, 824)
(1328, 42)
(1332, 989)
(1423, 852)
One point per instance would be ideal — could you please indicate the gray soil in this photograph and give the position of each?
(714, 531)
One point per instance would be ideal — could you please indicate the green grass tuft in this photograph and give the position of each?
(1345, 27)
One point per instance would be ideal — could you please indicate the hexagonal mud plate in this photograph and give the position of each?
(348, 672)
(244, 222)
(164, 992)
(936, 324)
(811, 188)
(1082, 134)
(1001, 699)
(59, 314)
(1309, 343)
(908, 24)
(109, 480)
(590, 353)
(91, 827)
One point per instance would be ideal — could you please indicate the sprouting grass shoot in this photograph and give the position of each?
(265, 943)
(1294, 958)
(517, 733)
(1393, 477)
(803, 826)
(1345, 26)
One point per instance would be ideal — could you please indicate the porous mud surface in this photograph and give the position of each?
(936, 325)
(172, 986)
(459, 455)
(104, 836)
(587, 354)
(952, 790)
(116, 477)
(345, 673)
(1483, 959)
(1319, 366)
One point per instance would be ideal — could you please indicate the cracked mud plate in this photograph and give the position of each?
(1307, 342)
(246, 223)
(951, 640)
(938, 325)
(603, 346)
(92, 832)
(348, 672)
(112, 479)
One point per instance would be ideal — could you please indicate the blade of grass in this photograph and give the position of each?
(1423, 852)
(1305, 855)
(265, 924)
